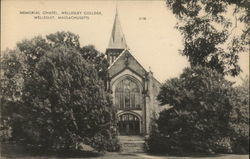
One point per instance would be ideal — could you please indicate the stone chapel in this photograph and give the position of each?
(133, 88)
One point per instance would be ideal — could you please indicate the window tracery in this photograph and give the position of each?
(127, 95)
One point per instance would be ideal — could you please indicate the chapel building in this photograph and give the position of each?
(133, 88)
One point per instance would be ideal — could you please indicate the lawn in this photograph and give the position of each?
(131, 156)
(10, 151)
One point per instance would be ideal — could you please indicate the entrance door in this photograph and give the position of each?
(129, 124)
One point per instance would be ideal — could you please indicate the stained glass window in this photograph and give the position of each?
(127, 95)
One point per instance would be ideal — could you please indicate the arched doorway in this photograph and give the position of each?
(128, 124)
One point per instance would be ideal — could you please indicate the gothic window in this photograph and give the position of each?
(127, 95)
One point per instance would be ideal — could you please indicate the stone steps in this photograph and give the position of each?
(132, 143)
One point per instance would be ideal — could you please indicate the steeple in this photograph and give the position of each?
(117, 38)
(117, 42)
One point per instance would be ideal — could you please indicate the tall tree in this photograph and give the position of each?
(215, 32)
(62, 101)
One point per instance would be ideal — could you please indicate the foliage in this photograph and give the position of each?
(202, 103)
(91, 55)
(239, 119)
(209, 113)
(11, 89)
(155, 142)
(62, 101)
(66, 39)
(215, 32)
(11, 75)
(32, 50)
(35, 48)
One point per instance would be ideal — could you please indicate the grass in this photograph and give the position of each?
(11, 152)
(128, 156)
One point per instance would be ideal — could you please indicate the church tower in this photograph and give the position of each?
(134, 89)
(117, 42)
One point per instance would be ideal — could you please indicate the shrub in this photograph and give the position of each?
(202, 102)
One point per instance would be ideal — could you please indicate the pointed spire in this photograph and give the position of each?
(117, 39)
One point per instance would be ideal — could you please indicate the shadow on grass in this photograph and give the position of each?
(191, 155)
(65, 155)
(17, 151)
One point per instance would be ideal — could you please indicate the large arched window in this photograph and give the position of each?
(127, 95)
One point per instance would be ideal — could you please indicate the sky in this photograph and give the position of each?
(148, 27)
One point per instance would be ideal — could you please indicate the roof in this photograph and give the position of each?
(126, 61)
(117, 39)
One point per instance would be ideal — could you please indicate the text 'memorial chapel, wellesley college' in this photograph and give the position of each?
(133, 88)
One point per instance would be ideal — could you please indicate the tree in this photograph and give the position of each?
(62, 100)
(64, 103)
(98, 59)
(199, 120)
(36, 47)
(214, 32)
(207, 109)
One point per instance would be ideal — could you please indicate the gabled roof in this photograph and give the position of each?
(126, 61)
(117, 39)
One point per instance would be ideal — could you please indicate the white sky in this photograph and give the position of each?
(154, 42)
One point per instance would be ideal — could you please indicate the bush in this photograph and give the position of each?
(199, 121)
(239, 118)
(241, 145)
